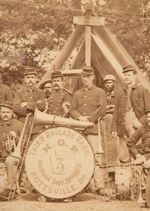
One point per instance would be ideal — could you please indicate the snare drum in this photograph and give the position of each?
(59, 162)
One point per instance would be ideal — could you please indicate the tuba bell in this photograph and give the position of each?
(41, 118)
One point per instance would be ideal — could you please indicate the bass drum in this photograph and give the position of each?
(59, 162)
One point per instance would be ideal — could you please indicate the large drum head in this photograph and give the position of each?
(59, 162)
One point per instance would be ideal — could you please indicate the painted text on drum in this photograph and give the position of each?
(53, 190)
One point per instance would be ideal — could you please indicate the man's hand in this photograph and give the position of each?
(114, 134)
(140, 159)
(146, 164)
(66, 106)
(12, 134)
(136, 124)
(84, 118)
(24, 104)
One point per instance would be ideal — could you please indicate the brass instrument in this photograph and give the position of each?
(17, 152)
(41, 118)
(100, 149)
(10, 144)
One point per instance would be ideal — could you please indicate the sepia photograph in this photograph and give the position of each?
(74, 105)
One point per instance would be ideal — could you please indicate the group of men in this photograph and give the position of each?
(127, 109)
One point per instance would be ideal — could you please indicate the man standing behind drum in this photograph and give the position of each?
(60, 99)
(10, 130)
(88, 104)
(27, 97)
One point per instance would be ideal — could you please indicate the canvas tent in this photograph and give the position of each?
(98, 47)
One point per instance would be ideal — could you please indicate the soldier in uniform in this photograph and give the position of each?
(141, 152)
(27, 97)
(10, 130)
(130, 106)
(47, 88)
(88, 104)
(60, 99)
(5, 91)
(111, 89)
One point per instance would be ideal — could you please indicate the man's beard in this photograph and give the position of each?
(47, 94)
(109, 89)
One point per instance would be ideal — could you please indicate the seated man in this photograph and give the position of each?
(141, 152)
(10, 130)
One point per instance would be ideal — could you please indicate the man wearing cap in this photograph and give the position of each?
(111, 89)
(27, 97)
(130, 105)
(89, 104)
(10, 130)
(141, 152)
(47, 88)
(60, 99)
(5, 91)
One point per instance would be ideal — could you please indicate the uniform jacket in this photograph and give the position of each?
(144, 148)
(56, 100)
(5, 128)
(89, 102)
(5, 93)
(31, 96)
(140, 100)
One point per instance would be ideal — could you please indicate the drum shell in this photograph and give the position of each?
(75, 154)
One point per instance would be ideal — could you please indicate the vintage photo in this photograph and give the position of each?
(74, 105)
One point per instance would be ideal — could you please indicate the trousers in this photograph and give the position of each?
(97, 180)
(148, 189)
(12, 171)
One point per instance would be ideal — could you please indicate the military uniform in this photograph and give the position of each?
(144, 149)
(5, 128)
(31, 96)
(56, 101)
(140, 101)
(91, 102)
(5, 93)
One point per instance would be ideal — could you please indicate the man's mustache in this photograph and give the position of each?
(56, 85)
(5, 117)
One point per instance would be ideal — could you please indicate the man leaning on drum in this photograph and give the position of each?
(10, 130)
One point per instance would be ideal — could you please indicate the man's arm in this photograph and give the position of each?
(133, 140)
(75, 114)
(115, 115)
(19, 107)
(101, 107)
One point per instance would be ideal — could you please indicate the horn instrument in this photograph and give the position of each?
(140, 199)
(100, 149)
(17, 152)
(41, 118)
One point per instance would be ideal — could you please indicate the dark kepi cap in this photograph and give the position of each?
(128, 68)
(109, 77)
(88, 70)
(56, 74)
(29, 71)
(7, 104)
(41, 86)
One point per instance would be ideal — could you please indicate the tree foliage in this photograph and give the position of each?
(32, 32)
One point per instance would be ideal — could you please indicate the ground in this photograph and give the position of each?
(84, 202)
